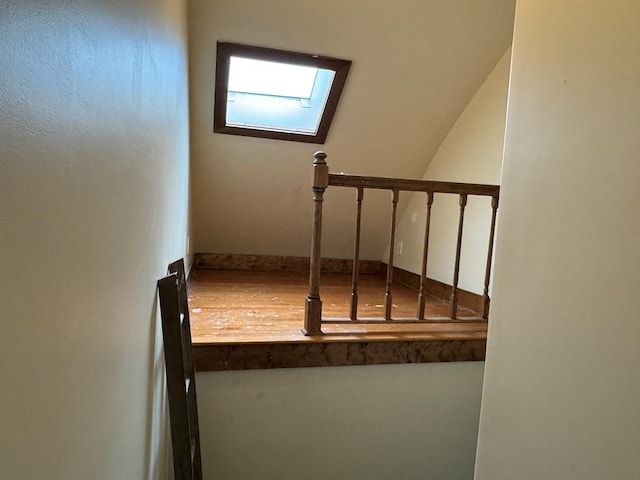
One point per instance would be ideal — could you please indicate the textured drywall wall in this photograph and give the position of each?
(93, 205)
(471, 153)
(415, 67)
(380, 422)
(562, 378)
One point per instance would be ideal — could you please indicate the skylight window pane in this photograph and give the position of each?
(270, 78)
(263, 92)
(281, 113)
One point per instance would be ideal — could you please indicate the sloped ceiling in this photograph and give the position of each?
(416, 64)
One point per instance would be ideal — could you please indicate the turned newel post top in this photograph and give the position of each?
(320, 158)
(320, 171)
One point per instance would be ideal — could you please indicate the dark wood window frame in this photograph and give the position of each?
(225, 50)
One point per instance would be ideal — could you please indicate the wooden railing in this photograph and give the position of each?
(323, 179)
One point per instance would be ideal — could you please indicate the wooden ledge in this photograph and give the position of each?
(247, 356)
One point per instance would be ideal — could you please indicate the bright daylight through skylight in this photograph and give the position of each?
(269, 78)
(276, 96)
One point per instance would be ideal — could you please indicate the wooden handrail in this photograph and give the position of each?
(323, 179)
(410, 185)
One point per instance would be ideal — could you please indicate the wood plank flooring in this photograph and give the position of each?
(230, 306)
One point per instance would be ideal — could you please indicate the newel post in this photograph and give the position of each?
(313, 307)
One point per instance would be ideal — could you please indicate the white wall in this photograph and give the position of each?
(93, 204)
(415, 67)
(378, 422)
(562, 383)
(471, 153)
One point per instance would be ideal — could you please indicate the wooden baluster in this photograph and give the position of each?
(356, 257)
(456, 270)
(392, 245)
(313, 307)
(422, 296)
(487, 273)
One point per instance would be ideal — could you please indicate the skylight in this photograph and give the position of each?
(270, 78)
(270, 93)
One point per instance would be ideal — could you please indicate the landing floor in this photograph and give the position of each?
(252, 319)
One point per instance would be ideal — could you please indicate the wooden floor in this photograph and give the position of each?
(252, 320)
(231, 306)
